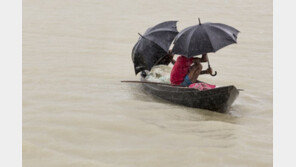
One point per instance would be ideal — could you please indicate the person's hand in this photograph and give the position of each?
(210, 70)
(205, 57)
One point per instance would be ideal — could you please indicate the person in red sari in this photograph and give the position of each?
(186, 70)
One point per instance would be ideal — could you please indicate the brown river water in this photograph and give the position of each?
(77, 113)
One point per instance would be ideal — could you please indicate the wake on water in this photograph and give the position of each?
(160, 73)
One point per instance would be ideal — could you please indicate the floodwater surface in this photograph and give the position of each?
(76, 112)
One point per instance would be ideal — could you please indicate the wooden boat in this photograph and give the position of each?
(219, 99)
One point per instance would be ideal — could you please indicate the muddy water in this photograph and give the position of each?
(77, 113)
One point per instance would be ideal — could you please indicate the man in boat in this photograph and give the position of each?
(184, 73)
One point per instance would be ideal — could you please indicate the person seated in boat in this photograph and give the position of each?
(184, 73)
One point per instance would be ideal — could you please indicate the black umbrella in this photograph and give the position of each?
(162, 34)
(204, 38)
(145, 54)
(153, 45)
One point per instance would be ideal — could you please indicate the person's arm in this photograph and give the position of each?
(204, 58)
(207, 71)
(196, 60)
(204, 72)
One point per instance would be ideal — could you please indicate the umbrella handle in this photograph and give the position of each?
(209, 66)
(214, 74)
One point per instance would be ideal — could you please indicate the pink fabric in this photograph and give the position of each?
(202, 86)
(180, 69)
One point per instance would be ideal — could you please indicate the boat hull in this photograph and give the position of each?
(218, 99)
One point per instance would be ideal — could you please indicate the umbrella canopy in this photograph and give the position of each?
(204, 38)
(162, 34)
(145, 54)
(153, 45)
